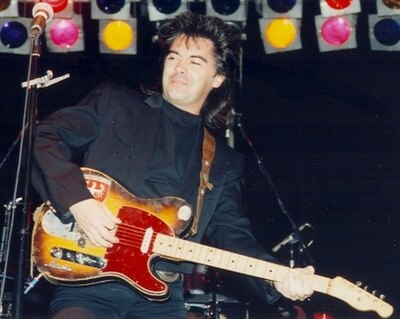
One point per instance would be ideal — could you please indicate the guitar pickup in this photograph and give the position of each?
(78, 257)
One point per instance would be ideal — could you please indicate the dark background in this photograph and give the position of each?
(325, 126)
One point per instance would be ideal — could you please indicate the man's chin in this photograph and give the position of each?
(177, 96)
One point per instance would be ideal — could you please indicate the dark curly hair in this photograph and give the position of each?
(219, 104)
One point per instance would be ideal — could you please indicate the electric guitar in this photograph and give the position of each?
(64, 255)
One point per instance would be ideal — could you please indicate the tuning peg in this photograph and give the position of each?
(382, 297)
(358, 283)
(366, 288)
(374, 292)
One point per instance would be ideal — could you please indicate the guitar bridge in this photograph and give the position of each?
(78, 257)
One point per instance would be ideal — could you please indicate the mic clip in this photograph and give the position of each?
(293, 238)
(45, 81)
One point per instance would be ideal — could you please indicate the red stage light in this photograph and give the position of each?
(57, 5)
(339, 4)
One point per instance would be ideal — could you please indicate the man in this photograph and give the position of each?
(154, 146)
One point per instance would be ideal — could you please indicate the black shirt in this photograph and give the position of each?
(177, 142)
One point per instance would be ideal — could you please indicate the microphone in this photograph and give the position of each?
(292, 238)
(42, 13)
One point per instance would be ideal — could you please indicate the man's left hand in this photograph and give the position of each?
(296, 283)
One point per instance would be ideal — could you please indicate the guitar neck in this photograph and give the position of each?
(183, 250)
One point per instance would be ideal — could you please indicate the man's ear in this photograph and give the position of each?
(218, 80)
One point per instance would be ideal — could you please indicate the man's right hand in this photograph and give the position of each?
(96, 221)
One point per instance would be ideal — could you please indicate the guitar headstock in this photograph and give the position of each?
(358, 298)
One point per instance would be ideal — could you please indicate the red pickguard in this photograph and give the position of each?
(125, 258)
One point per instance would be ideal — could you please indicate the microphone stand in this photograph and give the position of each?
(296, 233)
(25, 156)
(24, 166)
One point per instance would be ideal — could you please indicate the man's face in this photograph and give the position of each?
(190, 73)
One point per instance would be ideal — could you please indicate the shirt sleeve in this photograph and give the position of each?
(61, 141)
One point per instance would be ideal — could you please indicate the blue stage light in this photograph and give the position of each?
(229, 10)
(281, 6)
(13, 34)
(387, 31)
(110, 9)
(160, 10)
(167, 6)
(285, 9)
(225, 7)
(110, 6)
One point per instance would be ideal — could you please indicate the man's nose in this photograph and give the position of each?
(181, 66)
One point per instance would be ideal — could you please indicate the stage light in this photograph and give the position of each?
(280, 34)
(62, 8)
(65, 35)
(384, 33)
(14, 35)
(282, 8)
(110, 9)
(230, 10)
(165, 9)
(336, 33)
(8, 8)
(388, 7)
(331, 8)
(118, 36)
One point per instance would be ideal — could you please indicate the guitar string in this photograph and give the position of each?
(132, 236)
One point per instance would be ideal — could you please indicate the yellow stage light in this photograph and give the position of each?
(118, 36)
(280, 34)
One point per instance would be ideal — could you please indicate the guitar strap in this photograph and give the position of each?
(206, 163)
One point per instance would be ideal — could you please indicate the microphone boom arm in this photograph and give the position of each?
(296, 233)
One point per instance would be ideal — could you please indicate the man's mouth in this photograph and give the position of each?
(179, 80)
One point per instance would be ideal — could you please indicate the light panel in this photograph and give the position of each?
(8, 8)
(384, 33)
(165, 9)
(280, 35)
(118, 36)
(230, 10)
(331, 8)
(282, 8)
(65, 35)
(336, 33)
(61, 8)
(388, 7)
(110, 9)
(14, 35)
